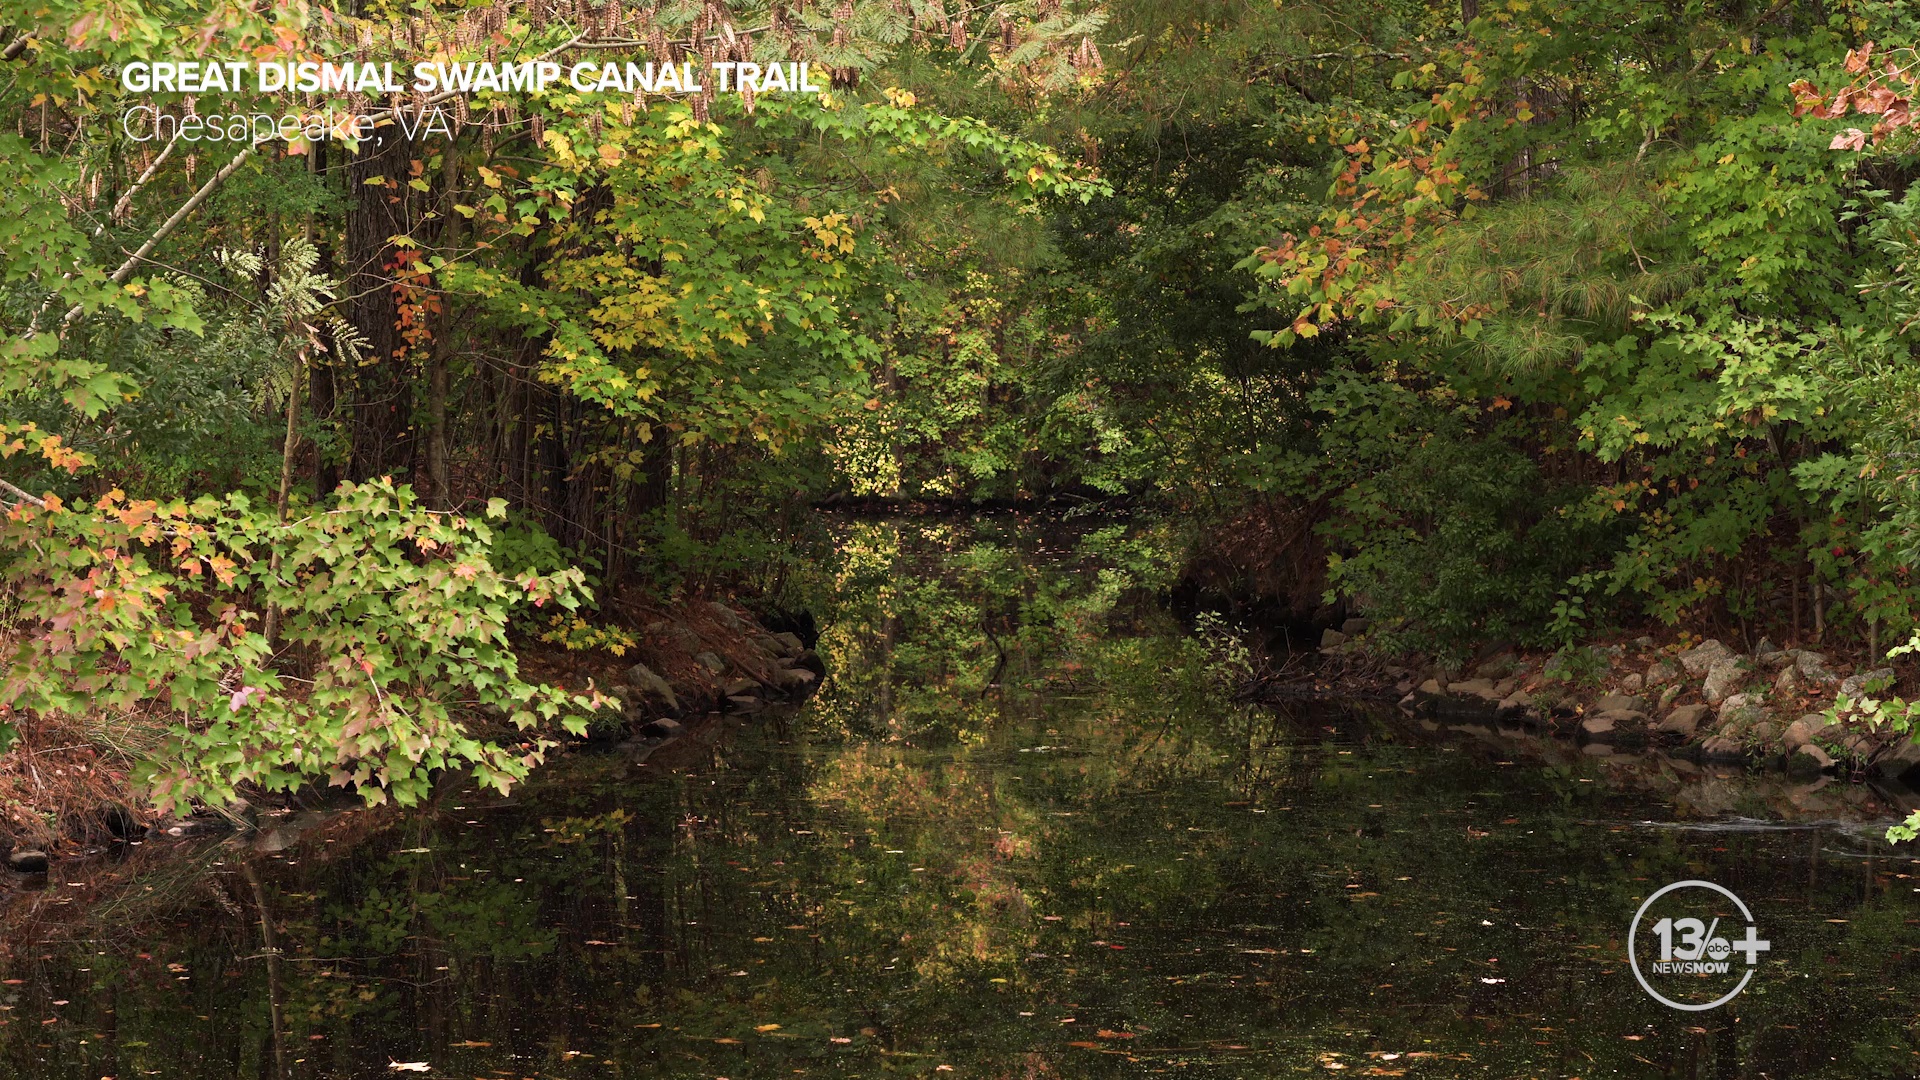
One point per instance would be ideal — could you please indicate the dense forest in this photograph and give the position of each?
(1519, 322)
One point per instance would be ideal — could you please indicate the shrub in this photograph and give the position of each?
(391, 620)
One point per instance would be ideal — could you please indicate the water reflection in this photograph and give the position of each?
(1012, 838)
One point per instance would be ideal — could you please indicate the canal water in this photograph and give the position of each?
(1024, 831)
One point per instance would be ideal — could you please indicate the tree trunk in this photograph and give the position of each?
(382, 391)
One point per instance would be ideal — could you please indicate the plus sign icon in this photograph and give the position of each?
(1694, 945)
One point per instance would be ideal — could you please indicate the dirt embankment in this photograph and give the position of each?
(67, 790)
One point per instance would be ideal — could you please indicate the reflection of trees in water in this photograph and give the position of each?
(1107, 841)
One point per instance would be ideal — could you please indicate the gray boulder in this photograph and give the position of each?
(1857, 686)
(1721, 748)
(643, 678)
(1683, 720)
(793, 678)
(1723, 678)
(1813, 668)
(1331, 638)
(1787, 684)
(728, 617)
(1476, 688)
(711, 661)
(1660, 673)
(1812, 756)
(1803, 731)
(1702, 657)
(28, 861)
(790, 642)
(1615, 702)
(661, 729)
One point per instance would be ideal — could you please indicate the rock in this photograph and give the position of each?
(1803, 731)
(1432, 688)
(745, 704)
(811, 661)
(1783, 658)
(790, 642)
(1811, 753)
(1644, 641)
(643, 678)
(1787, 683)
(1632, 683)
(28, 861)
(1765, 734)
(1721, 748)
(1597, 749)
(1478, 688)
(679, 635)
(768, 647)
(1900, 757)
(1517, 701)
(1764, 649)
(1867, 683)
(661, 729)
(711, 661)
(1670, 695)
(793, 678)
(1813, 668)
(741, 688)
(1614, 724)
(1739, 711)
(1615, 702)
(1330, 638)
(1683, 721)
(728, 617)
(1723, 678)
(1702, 657)
(1660, 673)
(1496, 666)
(1506, 686)
(1356, 625)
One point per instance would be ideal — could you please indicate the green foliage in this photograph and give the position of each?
(394, 616)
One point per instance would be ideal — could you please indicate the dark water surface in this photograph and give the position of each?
(916, 875)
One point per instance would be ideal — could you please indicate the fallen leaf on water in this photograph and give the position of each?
(1105, 1034)
(728, 1042)
(764, 1028)
(409, 1066)
(597, 943)
(470, 1044)
(1085, 1045)
(839, 1039)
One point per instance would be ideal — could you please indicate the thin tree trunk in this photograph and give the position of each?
(438, 474)
(287, 447)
